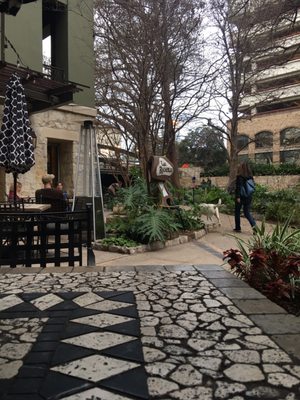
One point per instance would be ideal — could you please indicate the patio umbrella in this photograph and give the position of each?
(16, 147)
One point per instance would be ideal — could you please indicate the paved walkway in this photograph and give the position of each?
(157, 325)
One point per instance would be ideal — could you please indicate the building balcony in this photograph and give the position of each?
(278, 71)
(277, 95)
(41, 90)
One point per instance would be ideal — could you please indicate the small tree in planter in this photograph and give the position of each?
(269, 261)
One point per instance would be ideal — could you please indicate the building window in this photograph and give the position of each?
(264, 158)
(290, 137)
(290, 157)
(263, 139)
(242, 142)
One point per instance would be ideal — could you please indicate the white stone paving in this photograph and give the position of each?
(95, 368)
(102, 320)
(197, 344)
(99, 340)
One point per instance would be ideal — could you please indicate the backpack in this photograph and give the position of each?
(248, 188)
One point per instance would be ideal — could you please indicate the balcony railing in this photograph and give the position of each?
(54, 73)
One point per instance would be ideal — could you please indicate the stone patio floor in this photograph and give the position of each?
(148, 332)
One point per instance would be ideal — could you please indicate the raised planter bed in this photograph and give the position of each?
(152, 246)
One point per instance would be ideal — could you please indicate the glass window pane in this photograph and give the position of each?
(291, 157)
(264, 139)
(264, 158)
(242, 142)
(290, 137)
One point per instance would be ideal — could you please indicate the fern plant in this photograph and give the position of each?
(155, 224)
(134, 198)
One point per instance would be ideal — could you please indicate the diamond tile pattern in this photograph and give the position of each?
(47, 301)
(9, 301)
(102, 320)
(107, 305)
(88, 347)
(95, 368)
(96, 393)
(99, 340)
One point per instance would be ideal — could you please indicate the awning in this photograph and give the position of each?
(41, 91)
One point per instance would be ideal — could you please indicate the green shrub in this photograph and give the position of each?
(119, 225)
(277, 205)
(260, 199)
(119, 241)
(258, 169)
(275, 169)
(189, 220)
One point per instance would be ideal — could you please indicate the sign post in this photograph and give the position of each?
(161, 169)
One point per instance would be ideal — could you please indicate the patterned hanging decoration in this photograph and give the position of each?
(16, 147)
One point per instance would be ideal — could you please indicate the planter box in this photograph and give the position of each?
(151, 246)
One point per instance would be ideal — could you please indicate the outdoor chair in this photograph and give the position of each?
(54, 224)
(16, 234)
(57, 204)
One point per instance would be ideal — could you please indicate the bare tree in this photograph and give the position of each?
(245, 45)
(150, 71)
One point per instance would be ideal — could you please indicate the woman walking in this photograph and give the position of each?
(244, 173)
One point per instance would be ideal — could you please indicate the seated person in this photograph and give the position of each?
(48, 195)
(60, 188)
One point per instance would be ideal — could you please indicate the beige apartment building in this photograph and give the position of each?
(270, 133)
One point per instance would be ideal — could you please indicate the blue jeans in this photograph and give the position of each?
(246, 204)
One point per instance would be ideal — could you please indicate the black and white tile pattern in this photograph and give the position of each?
(71, 346)
(195, 342)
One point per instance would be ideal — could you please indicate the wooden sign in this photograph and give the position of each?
(161, 168)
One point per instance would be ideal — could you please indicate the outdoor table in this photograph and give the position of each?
(34, 207)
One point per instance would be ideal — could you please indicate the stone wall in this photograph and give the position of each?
(61, 125)
(273, 182)
(186, 175)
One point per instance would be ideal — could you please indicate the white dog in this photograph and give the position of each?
(211, 210)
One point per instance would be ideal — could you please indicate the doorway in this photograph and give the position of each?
(60, 162)
(53, 160)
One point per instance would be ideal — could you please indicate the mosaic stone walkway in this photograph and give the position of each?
(83, 344)
(195, 344)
